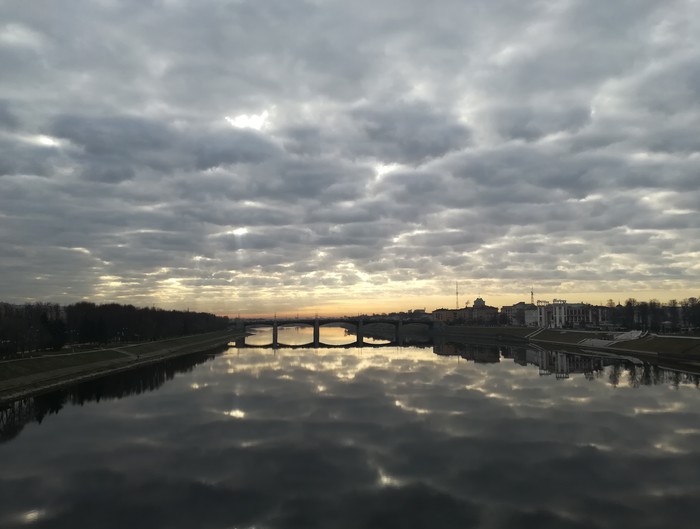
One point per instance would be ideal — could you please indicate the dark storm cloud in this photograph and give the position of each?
(286, 143)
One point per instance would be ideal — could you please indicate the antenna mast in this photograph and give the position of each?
(532, 295)
(457, 294)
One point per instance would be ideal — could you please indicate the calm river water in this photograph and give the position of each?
(451, 435)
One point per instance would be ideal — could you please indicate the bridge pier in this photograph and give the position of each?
(358, 322)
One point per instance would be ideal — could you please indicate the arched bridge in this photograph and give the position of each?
(317, 323)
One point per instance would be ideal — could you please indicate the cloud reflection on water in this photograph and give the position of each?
(397, 438)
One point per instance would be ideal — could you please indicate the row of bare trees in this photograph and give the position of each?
(655, 316)
(42, 326)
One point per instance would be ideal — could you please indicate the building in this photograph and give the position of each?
(560, 314)
(523, 314)
(445, 315)
(479, 313)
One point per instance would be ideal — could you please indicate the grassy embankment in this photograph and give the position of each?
(32, 366)
(671, 347)
(18, 377)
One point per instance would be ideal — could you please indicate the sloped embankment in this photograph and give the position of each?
(31, 376)
(500, 334)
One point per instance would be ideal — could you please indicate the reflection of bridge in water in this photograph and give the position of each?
(14, 416)
(241, 344)
(359, 325)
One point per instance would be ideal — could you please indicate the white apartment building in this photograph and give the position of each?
(559, 314)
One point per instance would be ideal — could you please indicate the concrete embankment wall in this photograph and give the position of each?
(514, 335)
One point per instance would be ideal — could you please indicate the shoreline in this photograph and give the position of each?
(133, 357)
(687, 349)
(119, 359)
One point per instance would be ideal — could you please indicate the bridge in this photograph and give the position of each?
(359, 323)
(241, 344)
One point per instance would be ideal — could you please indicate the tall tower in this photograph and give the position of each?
(532, 295)
(457, 295)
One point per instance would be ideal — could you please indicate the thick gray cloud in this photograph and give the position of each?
(247, 156)
(7, 118)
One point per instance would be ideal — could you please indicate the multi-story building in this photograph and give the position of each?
(445, 315)
(480, 312)
(559, 314)
(520, 314)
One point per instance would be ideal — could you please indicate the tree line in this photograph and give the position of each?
(655, 316)
(49, 326)
(14, 416)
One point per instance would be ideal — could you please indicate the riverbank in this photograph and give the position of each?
(517, 335)
(635, 343)
(639, 344)
(32, 376)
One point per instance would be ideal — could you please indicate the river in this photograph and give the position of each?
(439, 436)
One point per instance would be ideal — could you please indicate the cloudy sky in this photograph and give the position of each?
(333, 156)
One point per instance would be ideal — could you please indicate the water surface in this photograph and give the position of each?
(475, 436)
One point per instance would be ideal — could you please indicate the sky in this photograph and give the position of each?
(333, 157)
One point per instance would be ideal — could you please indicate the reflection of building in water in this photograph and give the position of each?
(448, 348)
(563, 364)
(520, 357)
(480, 354)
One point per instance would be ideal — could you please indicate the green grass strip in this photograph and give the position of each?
(31, 366)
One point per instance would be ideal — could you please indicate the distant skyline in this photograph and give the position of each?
(339, 157)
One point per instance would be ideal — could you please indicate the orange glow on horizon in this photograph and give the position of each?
(431, 303)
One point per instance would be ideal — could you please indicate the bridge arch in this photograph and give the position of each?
(359, 323)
